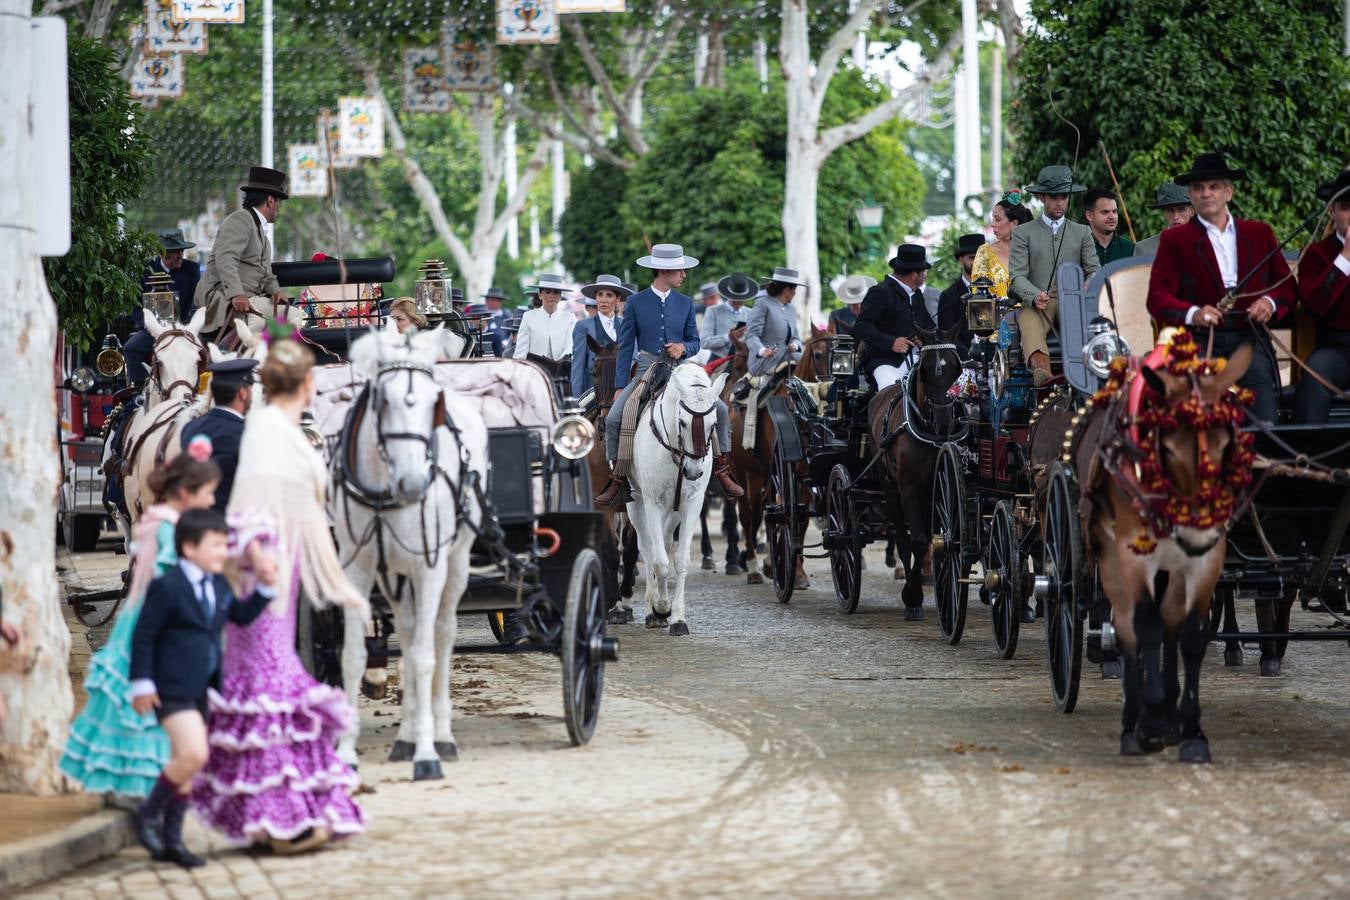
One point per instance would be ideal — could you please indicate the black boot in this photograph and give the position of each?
(175, 851)
(148, 818)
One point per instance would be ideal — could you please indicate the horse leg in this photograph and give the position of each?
(420, 656)
(705, 539)
(680, 564)
(910, 548)
(1282, 611)
(1194, 746)
(1232, 650)
(892, 557)
(1171, 688)
(447, 623)
(630, 558)
(731, 530)
(1149, 631)
(750, 528)
(1272, 617)
(1131, 687)
(354, 659)
(651, 538)
(405, 625)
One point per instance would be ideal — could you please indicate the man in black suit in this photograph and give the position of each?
(886, 321)
(951, 303)
(175, 657)
(232, 393)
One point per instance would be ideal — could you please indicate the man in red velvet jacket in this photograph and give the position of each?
(1324, 290)
(1199, 262)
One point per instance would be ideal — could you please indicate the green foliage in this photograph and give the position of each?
(99, 279)
(595, 236)
(1160, 81)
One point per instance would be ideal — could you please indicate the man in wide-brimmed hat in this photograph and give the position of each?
(1324, 291)
(851, 292)
(950, 308)
(885, 323)
(600, 330)
(1038, 248)
(723, 318)
(771, 336)
(185, 276)
(241, 258)
(658, 322)
(1175, 203)
(1201, 263)
(546, 330)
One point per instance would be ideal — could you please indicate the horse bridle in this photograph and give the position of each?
(378, 402)
(914, 415)
(203, 360)
(698, 433)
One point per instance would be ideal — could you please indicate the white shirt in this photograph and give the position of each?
(266, 228)
(1053, 224)
(607, 323)
(1340, 261)
(545, 335)
(1225, 249)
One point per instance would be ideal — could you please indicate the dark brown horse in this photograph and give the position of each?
(909, 434)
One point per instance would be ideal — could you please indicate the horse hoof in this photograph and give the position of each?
(446, 750)
(1270, 668)
(913, 613)
(1112, 669)
(735, 569)
(679, 628)
(619, 616)
(1148, 742)
(655, 621)
(898, 574)
(803, 583)
(402, 751)
(374, 691)
(708, 564)
(1233, 657)
(1193, 750)
(1028, 615)
(754, 578)
(1129, 745)
(427, 770)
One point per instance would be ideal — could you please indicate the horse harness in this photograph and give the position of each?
(916, 424)
(163, 341)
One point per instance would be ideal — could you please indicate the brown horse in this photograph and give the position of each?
(1159, 484)
(909, 435)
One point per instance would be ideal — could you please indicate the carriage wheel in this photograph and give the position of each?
(782, 517)
(585, 649)
(951, 533)
(1061, 586)
(1003, 572)
(497, 622)
(845, 543)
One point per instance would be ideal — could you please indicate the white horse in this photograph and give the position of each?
(403, 504)
(672, 464)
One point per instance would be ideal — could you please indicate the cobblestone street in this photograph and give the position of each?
(792, 750)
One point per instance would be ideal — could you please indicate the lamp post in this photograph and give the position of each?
(869, 216)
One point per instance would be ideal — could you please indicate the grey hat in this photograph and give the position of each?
(665, 257)
(1171, 194)
(549, 283)
(1055, 180)
(590, 302)
(173, 240)
(784, 275)
(708, 290)
(854, 288)
(607, 282)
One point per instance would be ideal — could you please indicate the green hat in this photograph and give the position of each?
(1171, 194)
(1055, 180)
(174, 240)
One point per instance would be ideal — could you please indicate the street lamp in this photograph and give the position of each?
(869, 215)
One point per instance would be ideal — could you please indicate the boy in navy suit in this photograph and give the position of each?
(175, 657)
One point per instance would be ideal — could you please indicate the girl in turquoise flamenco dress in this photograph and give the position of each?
(112, 748)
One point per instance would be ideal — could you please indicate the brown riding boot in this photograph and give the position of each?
(722, 472)
(615, 492)
(1040, 368)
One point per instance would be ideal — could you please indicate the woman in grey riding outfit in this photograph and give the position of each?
(771, 335)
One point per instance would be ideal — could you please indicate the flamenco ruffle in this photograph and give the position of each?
(258, 723)
(279, 815)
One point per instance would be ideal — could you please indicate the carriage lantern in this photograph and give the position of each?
(110, 363)
(159, 297)
(981, 307)
(432, 290)
(842, 356)
(1104, 346)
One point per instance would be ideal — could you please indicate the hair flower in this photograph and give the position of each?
(199, 448)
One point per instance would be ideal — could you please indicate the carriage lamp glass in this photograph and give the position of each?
(981, 307)
(842, 357)
(1103, 348)
(573, 437)
(82, 379)
(110, 363)
(432, 290)
(159, 297)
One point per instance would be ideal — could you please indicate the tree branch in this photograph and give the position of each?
(582, 144)
(516, 202)
(839, 43)
(649, 67)
(52, 7)
(602, 80)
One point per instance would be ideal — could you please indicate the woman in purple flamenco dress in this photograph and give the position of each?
(273, 775)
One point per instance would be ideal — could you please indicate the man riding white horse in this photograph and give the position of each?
(658, 322)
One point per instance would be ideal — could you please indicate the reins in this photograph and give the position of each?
(203, 360)
(698, 434)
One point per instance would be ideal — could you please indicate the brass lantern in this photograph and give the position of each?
(842, 356)
(432, 290)
(981, 307)
(159, 297)
(110, 363)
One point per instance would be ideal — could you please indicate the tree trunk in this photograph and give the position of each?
(35, 681)
(799, 224)
(715, 60)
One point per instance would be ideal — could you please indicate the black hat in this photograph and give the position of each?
(1210, 166)
(456, 295)
(1327, 191)
(174, 240)
(234, 373)
(968, 244)
(495, 293)
(910, 258)
(737, 286)
(269, 181)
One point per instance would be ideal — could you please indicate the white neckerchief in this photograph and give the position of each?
(1053, 224)
(607, 323)
(1225, 249)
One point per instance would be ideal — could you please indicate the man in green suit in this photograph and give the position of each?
(241, 257)
(1175, 203)
(1038, 248)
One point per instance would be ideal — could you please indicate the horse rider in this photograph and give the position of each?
(949, 307)
(885, 324)
(851, 292)
(1324, 291)
(658, 322)
(771, 335)
(708, 298)
(1200, 263)
(1175, 203)
(231, 396)
(1038, 247)
(714, 335)
(184, 276)
(241, 257)
(602, 328)
(545, 334)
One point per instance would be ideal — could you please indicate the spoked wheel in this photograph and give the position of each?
(1061, 586)
(585, 649)
(497, 622)
(951, 534)
(845, 544)
(1003, 574)
(781, 518)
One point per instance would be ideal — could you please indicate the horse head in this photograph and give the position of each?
(179, 357)
(938, 368)
(689, 413)
(604, 363)
(815, 362)
(405, 405)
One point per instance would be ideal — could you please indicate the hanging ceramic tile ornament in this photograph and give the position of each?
(527, 22)
(424, 84)
(468, 62)
(163, 35)
(361, 126)
(340, 161)
(307, 177)
(213, 12)
(590, 6)
(157, 76)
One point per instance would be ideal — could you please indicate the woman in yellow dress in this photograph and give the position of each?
(991, 261)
